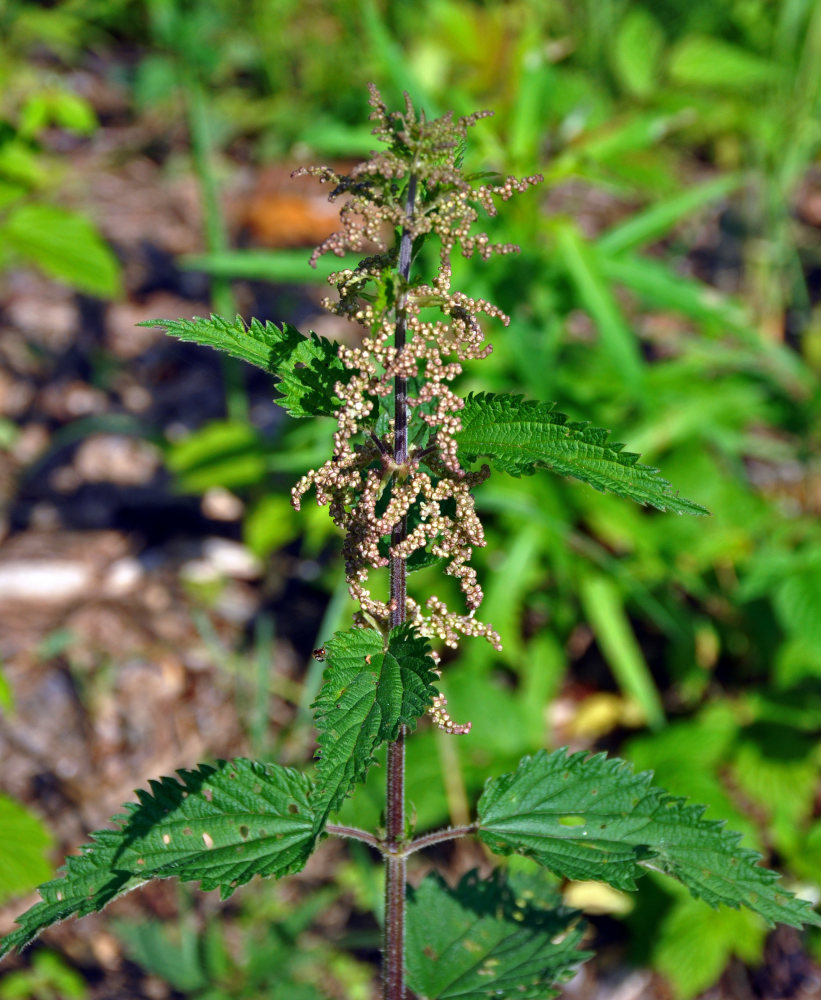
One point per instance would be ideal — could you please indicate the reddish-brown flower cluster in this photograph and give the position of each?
(367, 492)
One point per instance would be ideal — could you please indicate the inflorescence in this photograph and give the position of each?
(367, 492)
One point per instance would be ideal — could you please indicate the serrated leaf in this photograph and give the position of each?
(594, 818)
(417, 671)
(308, 375)
(89, 883)
(219, 825)
(490, 938)
(307, 367)
(521, 435)
(368, 692)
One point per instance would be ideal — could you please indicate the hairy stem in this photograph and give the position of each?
(439, 836)
(354, 833)
(393, 971)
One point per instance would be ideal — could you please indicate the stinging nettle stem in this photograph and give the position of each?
(395, 863)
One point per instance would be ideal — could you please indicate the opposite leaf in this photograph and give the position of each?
(219, 825)
(521, 435)
(368, 692)
(593, 818)
(490, 939)
(307, 367)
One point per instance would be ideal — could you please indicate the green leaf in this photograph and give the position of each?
(637, 51)
(24, 842)
(307, 367)
(797, 601)
(604, 609)
(700, 60)
(618, 342)
(278, 266)
(660, 217)
(219, 825)
(174, 958)
(369, 690)
(6, 694)
(347, 715)
(308, 374)
(89, 884)
(65, 246)
(57, 107)
(490, 938)
(223, 453)
(521, 435)
(662, 288)
(594, 818)
(46, 978)
(692, 947)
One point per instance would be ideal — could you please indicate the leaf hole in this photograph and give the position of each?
(166, 838)
(208, 840)
(208, 794)
(571, 820)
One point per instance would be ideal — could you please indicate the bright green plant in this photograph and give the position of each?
(280, 958)
(61, 243)
(400, 486)
(49, 978)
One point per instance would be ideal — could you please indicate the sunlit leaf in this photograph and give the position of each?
(520, 436)
(593, 817)
(307, 367)
(219, 825)
(371, 687)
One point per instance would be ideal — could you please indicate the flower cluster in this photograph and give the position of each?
(401, 503)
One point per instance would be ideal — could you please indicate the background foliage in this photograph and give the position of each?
(668, 287)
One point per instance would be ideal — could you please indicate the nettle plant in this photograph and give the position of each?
(399, 483)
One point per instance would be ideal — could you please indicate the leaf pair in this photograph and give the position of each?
(517, 435)
(581, 817)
